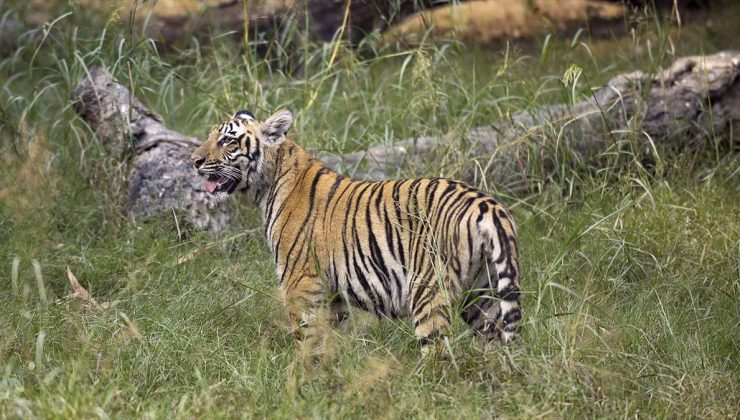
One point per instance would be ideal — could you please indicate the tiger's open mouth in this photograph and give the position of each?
(217, 184)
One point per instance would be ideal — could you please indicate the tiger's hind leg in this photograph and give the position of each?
(482, 311)
(491, 308)
(430, 314)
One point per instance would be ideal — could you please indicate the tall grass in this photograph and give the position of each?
(630, 273)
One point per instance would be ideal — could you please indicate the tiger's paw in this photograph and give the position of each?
(434, 349)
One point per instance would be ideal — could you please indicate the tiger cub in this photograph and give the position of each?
(416, 247)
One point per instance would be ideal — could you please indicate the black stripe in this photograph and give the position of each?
(397, 228)
(509, 293)
(503, 241)
(512, 316)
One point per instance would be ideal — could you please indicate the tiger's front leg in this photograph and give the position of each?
(430, 314)
(302, 298)
(309, 312)
(338, 312)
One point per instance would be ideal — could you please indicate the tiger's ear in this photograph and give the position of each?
(276, 127)
(244, 115)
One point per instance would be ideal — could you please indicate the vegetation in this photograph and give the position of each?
(630, 271)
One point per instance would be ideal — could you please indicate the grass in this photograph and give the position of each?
(630, 275)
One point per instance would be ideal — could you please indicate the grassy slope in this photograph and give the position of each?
(630, 275)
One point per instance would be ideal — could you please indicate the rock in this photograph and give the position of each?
(161, 178)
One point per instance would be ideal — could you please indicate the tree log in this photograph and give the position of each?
(161, 177)
(327, 16)
(263, 17)
(364, 16)
(678, 107)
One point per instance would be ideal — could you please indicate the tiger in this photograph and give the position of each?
(423, 248)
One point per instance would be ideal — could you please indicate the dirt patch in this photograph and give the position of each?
(487, 20)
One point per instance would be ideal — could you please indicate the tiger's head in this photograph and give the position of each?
(233, 154)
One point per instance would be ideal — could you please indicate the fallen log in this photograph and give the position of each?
(323, 19)
(161, 178)
(677, 107)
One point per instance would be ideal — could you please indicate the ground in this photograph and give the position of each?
(630, 270)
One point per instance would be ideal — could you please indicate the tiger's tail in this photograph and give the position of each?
(492, 307)
(504, 254)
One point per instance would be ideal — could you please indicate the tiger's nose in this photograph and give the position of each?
(197, 161)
